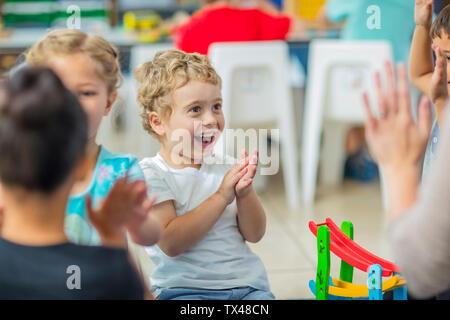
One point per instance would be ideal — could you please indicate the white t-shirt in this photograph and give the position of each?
(220, 260)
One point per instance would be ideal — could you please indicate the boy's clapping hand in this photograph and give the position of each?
(230, 180)
(439, 82)
(244, 184)
(126, 203)
(423, 13)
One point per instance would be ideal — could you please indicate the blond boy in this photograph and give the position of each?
(208, 209)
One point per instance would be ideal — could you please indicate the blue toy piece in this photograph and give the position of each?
(400, 293)
(374, 282)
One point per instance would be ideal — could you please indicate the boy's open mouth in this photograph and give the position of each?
(206, 140)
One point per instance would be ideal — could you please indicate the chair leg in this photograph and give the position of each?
(333, 153)
(290, 172)
(289, 154)
(310, 158)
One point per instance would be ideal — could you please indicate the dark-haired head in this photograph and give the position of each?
(43, 131)
(441, 25)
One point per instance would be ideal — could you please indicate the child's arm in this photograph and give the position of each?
(180, 233)
(251, 216)
(421, 58)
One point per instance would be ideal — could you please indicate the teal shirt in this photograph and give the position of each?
(396, 22)
(110, 167)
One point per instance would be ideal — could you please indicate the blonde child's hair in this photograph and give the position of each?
(169, 70)
(69, 41)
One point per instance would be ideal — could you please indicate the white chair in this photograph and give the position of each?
(256, 92)
(339, 72)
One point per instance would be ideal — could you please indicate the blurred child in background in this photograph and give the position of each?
(228, 20)
(88, 65)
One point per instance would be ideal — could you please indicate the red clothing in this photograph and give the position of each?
(224, 24)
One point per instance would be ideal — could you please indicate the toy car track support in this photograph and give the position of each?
(323, 266)
(346, 273)
(374, 282)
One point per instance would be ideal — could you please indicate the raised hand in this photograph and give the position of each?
(423, 13)
(244, 184)
(127, 202)
(396, 140)
(439, 85)
(231, 178)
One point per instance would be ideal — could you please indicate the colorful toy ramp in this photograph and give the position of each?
(350, 252)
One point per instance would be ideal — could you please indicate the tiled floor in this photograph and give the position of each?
(288, 248)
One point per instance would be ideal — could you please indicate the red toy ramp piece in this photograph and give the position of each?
(352, 253)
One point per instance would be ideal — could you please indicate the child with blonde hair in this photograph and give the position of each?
(207, 206)
(88, 66)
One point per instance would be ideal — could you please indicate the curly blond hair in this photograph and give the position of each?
(70, 41)
(169, 70)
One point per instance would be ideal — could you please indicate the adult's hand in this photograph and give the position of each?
(395, 139)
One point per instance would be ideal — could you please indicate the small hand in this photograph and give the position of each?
(231, 178)
(124, 201)
(423, 13)
(244, 184)
(439, 82)
(140, 214)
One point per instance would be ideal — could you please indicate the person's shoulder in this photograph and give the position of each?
(154, 168)
(153, 163)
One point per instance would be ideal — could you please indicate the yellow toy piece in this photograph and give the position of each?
(141, 20)
(351, 290)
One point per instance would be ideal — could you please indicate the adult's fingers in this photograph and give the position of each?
(392, 98)
(382, 103)
(404, 102)
(370, 119)
(424, 117)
